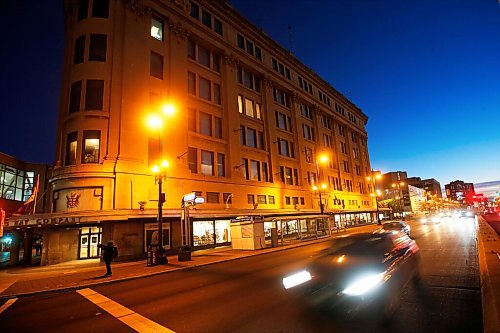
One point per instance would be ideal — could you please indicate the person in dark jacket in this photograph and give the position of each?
(109, 252)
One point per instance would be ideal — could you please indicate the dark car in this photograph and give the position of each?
(358, 273)
(396, 226)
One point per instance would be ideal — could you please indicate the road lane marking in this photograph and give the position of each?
(125, 315)
(7, 304)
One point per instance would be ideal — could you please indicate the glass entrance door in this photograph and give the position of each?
(89, 239)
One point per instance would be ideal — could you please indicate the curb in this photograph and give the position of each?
(489, 271)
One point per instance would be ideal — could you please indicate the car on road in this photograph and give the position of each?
(395, 226)
(362, 274)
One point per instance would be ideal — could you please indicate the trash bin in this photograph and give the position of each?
(184, 253)
(274, 237)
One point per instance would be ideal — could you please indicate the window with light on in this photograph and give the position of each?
(157, 28)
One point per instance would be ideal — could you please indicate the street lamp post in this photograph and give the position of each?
(156, 122)
(323, 159)
(160, 175)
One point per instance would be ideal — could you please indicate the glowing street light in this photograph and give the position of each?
(155, 122)
(323, 158)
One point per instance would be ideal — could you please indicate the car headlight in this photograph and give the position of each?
(365, 284)
(435, 219)
(424, 219)
(296, 279)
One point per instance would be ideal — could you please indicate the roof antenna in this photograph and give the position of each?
(290, 38)
(350, 96)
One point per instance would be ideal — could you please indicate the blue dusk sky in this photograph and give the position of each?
(426, 73)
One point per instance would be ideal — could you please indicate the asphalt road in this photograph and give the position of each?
(246, 295)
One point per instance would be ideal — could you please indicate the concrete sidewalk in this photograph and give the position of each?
(17, 282)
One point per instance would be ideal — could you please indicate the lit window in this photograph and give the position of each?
(207, 163)
(249, 107)
(91, 140)
(157, 28)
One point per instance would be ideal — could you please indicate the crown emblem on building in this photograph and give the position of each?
(72, 200)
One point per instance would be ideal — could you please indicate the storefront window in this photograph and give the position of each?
(203, 233)
(222, 231)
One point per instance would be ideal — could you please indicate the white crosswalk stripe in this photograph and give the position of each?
(125, 315)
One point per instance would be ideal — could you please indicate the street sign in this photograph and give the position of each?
(199, 200)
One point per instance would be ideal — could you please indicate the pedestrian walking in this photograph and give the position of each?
(109, 252)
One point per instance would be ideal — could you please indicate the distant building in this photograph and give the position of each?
(17, 179)
(395, 186)
(460, 191)
(417, 197)
(431, 186)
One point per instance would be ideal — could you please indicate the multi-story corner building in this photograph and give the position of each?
(460, 191)
(250, 124)
(431, 186)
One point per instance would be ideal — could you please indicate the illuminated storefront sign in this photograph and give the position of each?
(43, 221)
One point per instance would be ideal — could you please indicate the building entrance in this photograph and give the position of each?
(89, 239)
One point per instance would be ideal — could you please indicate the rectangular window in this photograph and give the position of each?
(204, 89)
(157, 28)
(205, 124)
(212, 197)
(240, 104)
(221, 165)
(191, 83)
(296, 177)
(271, 199)
(258, 53)
(193, 159)
(243, 136)
(207, 163)
(204, 56)
(91, 141)
(240, 41)
(156, 65)
(191, 120)
(75, 95)
(255, 170)
(97, 48)
(252, 138)
(94, 95)
(71, 145)
(288, 176)
(245, 166)
(250, 198)
(79, 50)
(100, 8)
(249, 107)
(261, 199)
(258, 114)
(218, 127)
(249, 47)
(227, 197)
(191, 49)
(195, 11)
(287, 200)
(218, 26)
(260, 140)
(83, 9)
(265, 172)
(217, 99)
(206, 19)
